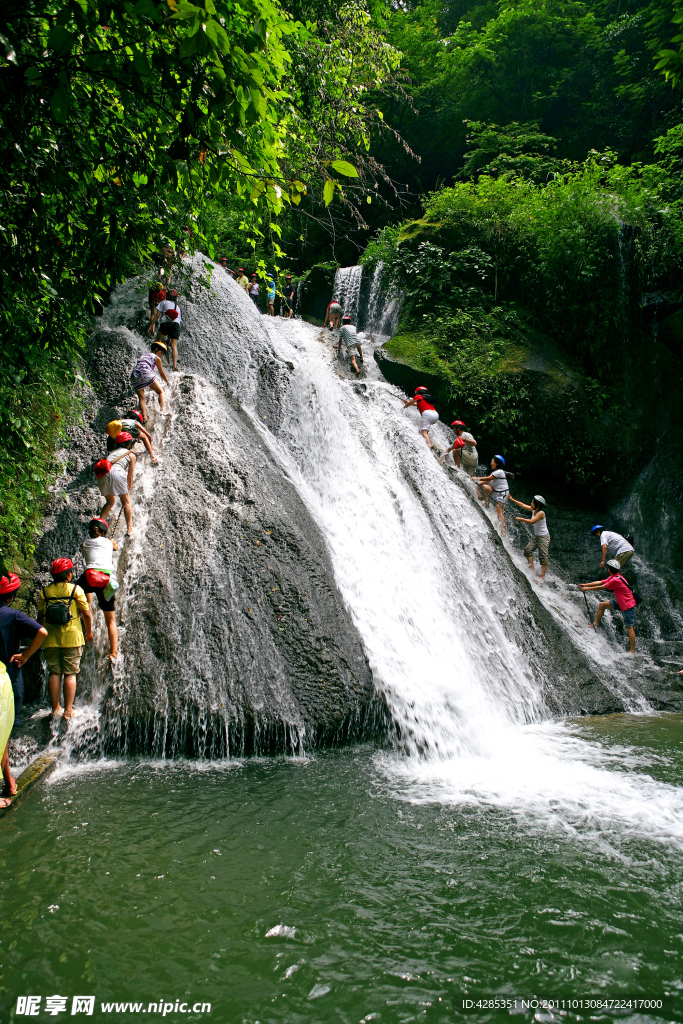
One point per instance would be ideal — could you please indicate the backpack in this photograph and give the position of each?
(172, 314)
(636, 596)
(58, 613)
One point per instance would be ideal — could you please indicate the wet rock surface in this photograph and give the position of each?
(233, 634)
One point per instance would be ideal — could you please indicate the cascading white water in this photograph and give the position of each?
(346, 290)
(414, 563)
(384, 306)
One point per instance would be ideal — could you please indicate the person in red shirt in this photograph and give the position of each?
(623, 599)
(430, 416)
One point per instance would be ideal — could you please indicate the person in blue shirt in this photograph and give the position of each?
(15, 627)
(271, 295)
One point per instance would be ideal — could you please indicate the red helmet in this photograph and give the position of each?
(101, 523)
(289, 277)
(101, 468)
(136, 415)
(61, 565)
(8, 584)
(123, 437)
(421, 389)
(254, 275)
(240, 270)
(457, 423)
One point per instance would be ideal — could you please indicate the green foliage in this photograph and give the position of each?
(517, 150)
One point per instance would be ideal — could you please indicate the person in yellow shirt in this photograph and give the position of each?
(242, 279)
(61, 606)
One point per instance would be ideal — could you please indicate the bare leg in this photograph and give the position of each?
(602, 608)
(148, 445)
(543, 570)
(425, 434)
(632, 638)
(174, 350)
(10, 783)
(110, 619)
(108, 506)
(69, 694)
(143, 403)
(501, 516)
(456, 459)
(530, 560)
(354, 364)
(156, 387)
(360, 353)
(128, 513)
(54, 688)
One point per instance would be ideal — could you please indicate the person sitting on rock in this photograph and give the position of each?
(623, 599)
(348, 336)
(61, 606)
(613, 546)
(98, 552)
(429, 415)
(15, 626)
(143, 377)
(495, 485)
(115, 477)
(541, 541)
(333, 314)
(132, 424)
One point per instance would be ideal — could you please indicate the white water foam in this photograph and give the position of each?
(410, 554)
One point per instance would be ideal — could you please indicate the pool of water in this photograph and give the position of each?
(334, 888)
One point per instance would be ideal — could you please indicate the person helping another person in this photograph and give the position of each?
(134, 427)
(613, 546)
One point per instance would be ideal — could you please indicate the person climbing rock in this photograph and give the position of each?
(333, 314)
(495, 485)
(458, 444)
(115, 477)
(134, 427)
(255, 291)
(156, 294)
(613, 546)
(242, 279)
(348, 337)
(169, 325)
(143, 377)
(270, 295)
(15, 626)
(429, 415)
(61, 607)
(98, 552)
(287, 302)
(469, 456)
(623, 599)
(541, 541)
(6, 724)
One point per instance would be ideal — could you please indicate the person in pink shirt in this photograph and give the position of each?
(623, 599)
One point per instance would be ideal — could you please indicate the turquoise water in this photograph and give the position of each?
(317, 890)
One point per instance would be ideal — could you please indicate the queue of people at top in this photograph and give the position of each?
(252, 287)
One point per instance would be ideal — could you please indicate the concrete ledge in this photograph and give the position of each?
(30, 778)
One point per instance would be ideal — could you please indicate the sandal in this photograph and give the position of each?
(5, 802)
(67, 715)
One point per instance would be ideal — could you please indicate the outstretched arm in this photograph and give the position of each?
(596, 585)
(520, 503)
(411, 401)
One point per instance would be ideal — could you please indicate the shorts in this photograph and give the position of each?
(429, 418)
(139, 384)
(113, 483)
(629, 613)
(352, 351)
(63, 661)
(540, 544)
(469, 460)
(171, 329)
(500, 497)
(624, 557)
(105, 605)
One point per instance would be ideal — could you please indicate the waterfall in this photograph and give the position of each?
(384, 306)
(347, 290)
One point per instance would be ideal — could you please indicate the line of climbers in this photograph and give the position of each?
(616, 550)
(253, 290)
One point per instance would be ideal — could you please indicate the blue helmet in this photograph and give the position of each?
(500, 458)
(598, 526)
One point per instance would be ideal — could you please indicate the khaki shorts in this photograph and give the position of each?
(468, 461)
(63, 661)
(540, 544)
(624, 557)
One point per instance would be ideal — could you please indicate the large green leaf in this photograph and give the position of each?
(328, 191)
(59, 104)
(344, 167)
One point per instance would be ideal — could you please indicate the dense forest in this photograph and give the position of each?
(516, 167)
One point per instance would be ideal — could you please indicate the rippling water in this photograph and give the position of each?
(343, 887)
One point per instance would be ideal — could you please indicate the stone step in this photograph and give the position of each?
(665, 648)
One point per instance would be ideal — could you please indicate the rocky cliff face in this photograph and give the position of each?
(234, 636)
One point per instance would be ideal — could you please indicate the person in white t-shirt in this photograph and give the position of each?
(613, 546)
(169, 325)
(98, 552)
(541, 541)
(495, 486)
